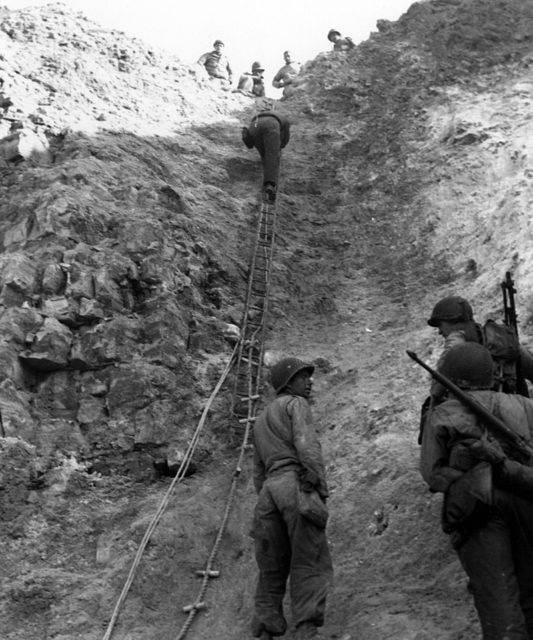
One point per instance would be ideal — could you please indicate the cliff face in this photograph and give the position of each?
(127, 216)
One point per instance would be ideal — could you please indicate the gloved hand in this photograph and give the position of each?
(490, 451)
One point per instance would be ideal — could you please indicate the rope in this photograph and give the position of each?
(254, 354)
(214, 551)
(162, 506)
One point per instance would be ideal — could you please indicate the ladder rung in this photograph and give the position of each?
(254, 397)
(211, 573)
(197, 605)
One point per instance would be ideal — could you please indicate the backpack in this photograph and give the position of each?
(502, 343)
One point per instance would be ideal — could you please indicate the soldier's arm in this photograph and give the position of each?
(434, 455)
(277, 80)
(307, 444)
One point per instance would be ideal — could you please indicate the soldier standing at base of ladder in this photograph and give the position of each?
(289, 541)
(268, 132)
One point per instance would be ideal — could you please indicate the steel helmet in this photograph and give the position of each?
(284, 370)
(333, 32)
(218, 42)
(257, 66)
(451, 309)
(469, 365)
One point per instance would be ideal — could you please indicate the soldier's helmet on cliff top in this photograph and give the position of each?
(451, 309)
(285, 370)
(469, 366)
(257, 66)
(332, 33)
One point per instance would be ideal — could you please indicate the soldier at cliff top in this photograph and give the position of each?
(290, 545)
(268, 132)
(340, 43)
(286, 75)
(253, 84)
(216, 64)
(488, 493)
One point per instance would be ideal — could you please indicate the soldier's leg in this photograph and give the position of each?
(311, 570)
(487, 558)
(271, 158)
(520, 517)
(272, 554)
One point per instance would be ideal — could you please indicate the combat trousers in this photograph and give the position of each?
(498, 559)
(265, 132)
(287, 545)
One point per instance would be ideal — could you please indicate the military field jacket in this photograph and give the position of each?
(452, 427)
(286, 439)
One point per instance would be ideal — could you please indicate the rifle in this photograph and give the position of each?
(510, 318)
(520, 446)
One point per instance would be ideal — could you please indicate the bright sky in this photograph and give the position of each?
(251, 29)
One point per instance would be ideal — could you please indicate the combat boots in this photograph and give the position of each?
(306, 631)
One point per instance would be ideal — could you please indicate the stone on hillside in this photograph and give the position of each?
(156, 423)
(61, 308)
(50, 348)
(80, 284)
(56, 396)
(25, 144)
(10, 365)
(108, 291)
(54, 279)
(17, 278)
(17, 322)
(104, 343)
(18, 471)
(129, 391)
(16, 418)
(61, 435)
(91, 410)
(90, 311)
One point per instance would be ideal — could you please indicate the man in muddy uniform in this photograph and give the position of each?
(488, 501)
(269, 133)
(288, 458)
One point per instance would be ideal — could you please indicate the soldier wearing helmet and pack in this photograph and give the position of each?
(488, 491)
(288, 457)
(454, 319)
(253, 84)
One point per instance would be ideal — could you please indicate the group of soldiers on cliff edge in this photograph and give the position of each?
(252, 83)
(476, 434)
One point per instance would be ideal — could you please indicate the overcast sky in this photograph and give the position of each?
(251, 30)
